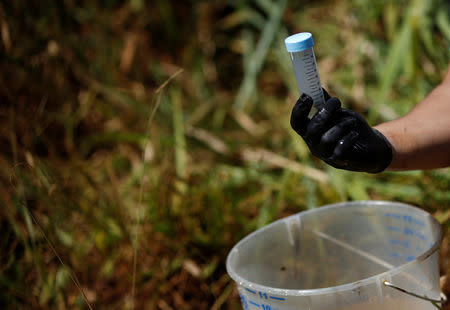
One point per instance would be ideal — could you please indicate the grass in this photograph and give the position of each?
(140, 141)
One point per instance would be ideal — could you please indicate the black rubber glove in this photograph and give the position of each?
(341, 137)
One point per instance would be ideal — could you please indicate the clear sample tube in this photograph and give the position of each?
(300, 47)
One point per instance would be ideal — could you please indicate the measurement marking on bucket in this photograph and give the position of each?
(406, 218)
(396, 216)
(392, 228)
(254, 303)
(244, 302)
(251, 291)
(407, 231)
(263, 295)
(420, 236)
(408, 258)
(399, 242)
(262, 306)
(395, 255)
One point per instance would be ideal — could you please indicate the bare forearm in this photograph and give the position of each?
(421, 139)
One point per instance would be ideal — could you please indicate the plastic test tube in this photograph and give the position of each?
(300, 47)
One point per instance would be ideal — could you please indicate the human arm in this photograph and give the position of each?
(421, 139)
(343, 139)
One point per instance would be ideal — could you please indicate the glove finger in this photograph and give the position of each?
(344, 145)
(330, 139)
(299, 115)
(326, 95)
(361, 122)
(318, 124)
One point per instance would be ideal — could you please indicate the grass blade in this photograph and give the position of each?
(256, 62)
(178, 133)
(73, 276)
(392, 67)
(443, 22)
(141, 187)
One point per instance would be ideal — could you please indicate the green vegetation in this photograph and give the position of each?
(141, 140)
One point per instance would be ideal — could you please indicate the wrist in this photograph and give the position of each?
(385, 155)
(389, 131)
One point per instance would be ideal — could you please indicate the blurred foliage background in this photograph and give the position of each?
(141, 140)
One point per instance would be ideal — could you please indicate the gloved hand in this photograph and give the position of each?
(341, 137)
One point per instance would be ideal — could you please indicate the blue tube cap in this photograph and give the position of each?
(299, 42)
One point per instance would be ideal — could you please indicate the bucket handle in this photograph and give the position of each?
(443, 298)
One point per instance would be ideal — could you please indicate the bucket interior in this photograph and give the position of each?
(334, 245)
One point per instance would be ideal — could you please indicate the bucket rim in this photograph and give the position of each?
(240, 281)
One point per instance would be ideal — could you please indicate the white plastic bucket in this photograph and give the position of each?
(352, 255)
